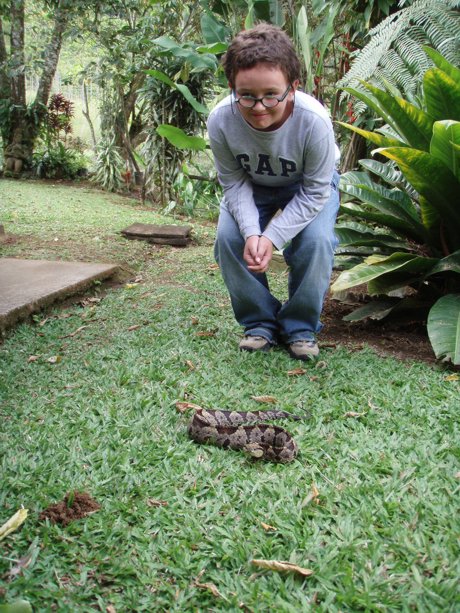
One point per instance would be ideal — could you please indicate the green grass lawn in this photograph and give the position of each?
(371, 504)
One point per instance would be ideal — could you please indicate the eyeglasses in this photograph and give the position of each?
(269, 101)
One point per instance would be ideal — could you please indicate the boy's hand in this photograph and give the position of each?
(258, 252)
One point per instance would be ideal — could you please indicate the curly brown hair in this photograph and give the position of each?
(264, 43)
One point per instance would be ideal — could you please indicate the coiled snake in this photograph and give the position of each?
(245, 431)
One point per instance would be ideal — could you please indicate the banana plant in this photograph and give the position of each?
(402, 217)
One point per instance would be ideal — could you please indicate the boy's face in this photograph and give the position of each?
(262, 80)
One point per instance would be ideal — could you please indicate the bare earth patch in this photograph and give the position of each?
(75, 505)
(398, 339)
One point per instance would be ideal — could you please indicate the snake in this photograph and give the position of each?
(245, 431)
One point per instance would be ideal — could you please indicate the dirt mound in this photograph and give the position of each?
(75, 505)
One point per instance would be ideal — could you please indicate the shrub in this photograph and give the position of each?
(59, 162)
(408, 235)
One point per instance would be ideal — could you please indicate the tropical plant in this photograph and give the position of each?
(408, 233)
(394, 51)
(109, 166)
(56, 161)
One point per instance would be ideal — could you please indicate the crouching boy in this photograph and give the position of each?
(275, 156)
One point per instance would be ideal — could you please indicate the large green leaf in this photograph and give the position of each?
(444, 328)
(374, 137)
(367, 238)
(442, 95)
(377, 265)
(393, 223)
(410, 122)
(213, 31)
(388, 201)
(434, 181)
(392, 281)
(378, 309)
(442, 63)
(304, 38)
(387, 171)
(179, 139)
(445, 144)
(355, 177)
(161, 76)
(413, 125)
(449, 263)
(183, 89)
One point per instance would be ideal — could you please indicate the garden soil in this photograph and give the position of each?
(76, 505)
(403, 340)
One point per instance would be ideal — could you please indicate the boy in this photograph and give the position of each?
(274, 150)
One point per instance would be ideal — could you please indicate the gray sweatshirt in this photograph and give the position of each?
(301, 151)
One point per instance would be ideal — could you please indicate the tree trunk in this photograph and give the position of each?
(87, 115)
(20, 135)
(5, 86)
(356, 150)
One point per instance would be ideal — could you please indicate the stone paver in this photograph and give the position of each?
(27, 286)
(178, 236)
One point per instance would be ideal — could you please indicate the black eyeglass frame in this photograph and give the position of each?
(256, 100)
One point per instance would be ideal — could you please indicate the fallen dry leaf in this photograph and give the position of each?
(207, 333)
(267, 527)
(282, 567)
(268, 399)
(209, 586)
(313, 495)
(194, 320)
(152, 502)
(184, 406)
(296, 371)
(22, 563)
(134, 327)
(33, 358)
(72, 334)
(353, 414)
(190, 364)
(452, 378)
(321, 364)
(13, 523)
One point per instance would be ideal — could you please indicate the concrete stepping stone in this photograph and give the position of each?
(27, 286)
(178, 236)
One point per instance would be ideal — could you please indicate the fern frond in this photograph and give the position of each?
(394, 52)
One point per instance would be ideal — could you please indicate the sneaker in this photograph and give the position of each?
(303, 350)
(254, 343)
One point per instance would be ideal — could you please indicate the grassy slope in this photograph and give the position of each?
(379, 536)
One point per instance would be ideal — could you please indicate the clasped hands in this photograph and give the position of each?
(258, 251)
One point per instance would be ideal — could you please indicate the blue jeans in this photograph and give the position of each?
(309, 255)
